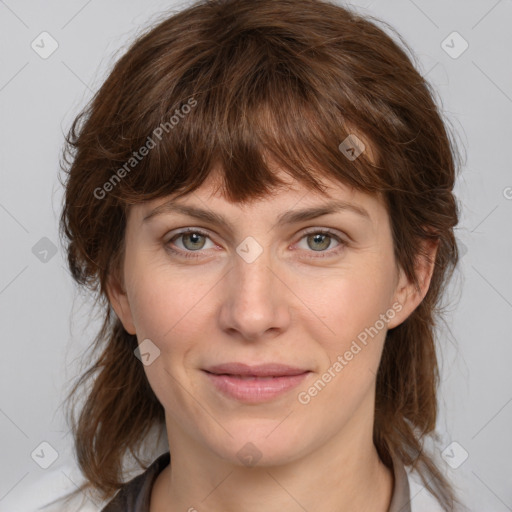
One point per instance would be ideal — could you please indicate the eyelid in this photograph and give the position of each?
(174, 233)
(340, 237)
(318, 229)
(332, 233)
(184, 231)
(306, 231)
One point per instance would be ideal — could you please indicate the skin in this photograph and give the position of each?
(289, 306)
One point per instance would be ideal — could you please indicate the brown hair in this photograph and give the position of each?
(280, 80)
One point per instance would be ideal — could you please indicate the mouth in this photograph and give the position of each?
(263, 370)
(254, 384)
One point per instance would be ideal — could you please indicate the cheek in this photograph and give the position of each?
(170, 304)
(164, 307)
(170, 309)
(352, 346)
(349, 304)
(352, 309)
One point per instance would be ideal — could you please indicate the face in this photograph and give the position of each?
(301, 303)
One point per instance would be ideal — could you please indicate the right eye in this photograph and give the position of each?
(192, 242)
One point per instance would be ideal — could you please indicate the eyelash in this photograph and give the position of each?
(197, 254)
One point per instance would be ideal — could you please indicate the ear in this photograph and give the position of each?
(407, 294)
(119, 302)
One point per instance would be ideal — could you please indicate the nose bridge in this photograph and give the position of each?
(254, 302)
(253, 277)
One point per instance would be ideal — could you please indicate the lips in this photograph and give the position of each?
(243, 370)
(254, 384)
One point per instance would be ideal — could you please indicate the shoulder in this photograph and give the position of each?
(52, 492)
(135, 495)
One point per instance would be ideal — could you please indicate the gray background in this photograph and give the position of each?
(45, 324)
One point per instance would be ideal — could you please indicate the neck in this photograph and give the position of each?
(343, 475)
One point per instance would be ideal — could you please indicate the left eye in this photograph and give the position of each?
(318, 241)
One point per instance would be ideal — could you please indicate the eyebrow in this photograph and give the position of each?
(290, 217)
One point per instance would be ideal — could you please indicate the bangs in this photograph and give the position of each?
(245, 121)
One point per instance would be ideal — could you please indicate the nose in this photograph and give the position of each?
(255, 301)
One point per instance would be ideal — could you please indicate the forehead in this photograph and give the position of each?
(292, 194)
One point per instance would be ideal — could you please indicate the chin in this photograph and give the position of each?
(260, 444)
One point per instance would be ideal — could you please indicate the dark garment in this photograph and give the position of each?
(135, 495)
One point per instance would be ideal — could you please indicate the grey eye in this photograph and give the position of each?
(193, 241)
(319, 241)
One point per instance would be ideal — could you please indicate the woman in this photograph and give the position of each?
(260, 194)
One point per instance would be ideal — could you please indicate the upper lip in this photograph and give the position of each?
(261, 370)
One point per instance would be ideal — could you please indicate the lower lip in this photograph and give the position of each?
(256, 390)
